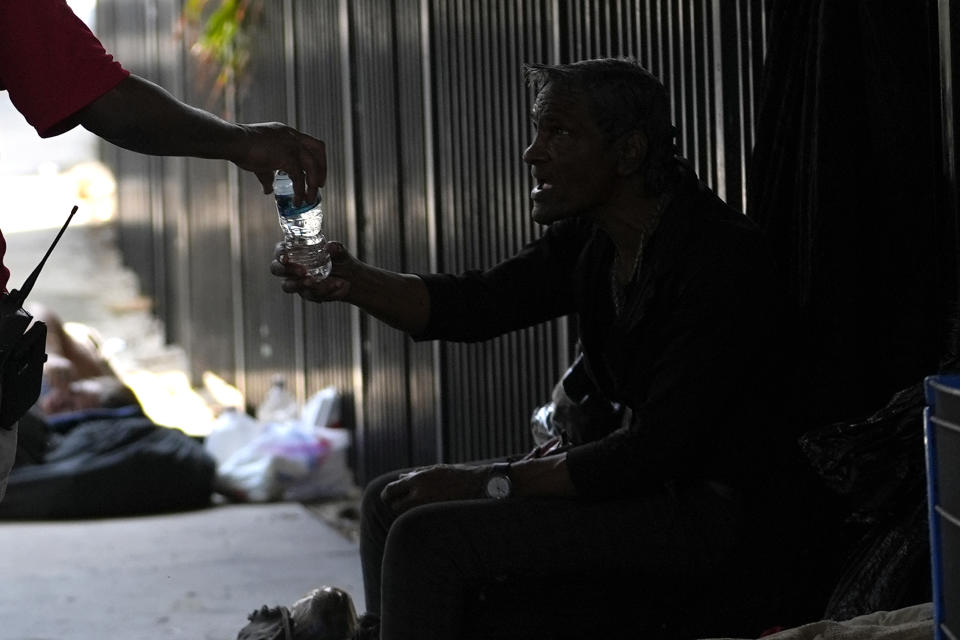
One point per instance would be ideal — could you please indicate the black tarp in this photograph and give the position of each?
(846, 180)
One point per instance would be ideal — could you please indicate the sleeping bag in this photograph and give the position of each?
(105, 463)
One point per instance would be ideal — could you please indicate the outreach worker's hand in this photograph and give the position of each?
(269, 146)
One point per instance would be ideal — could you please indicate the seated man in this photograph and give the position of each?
(671, 292)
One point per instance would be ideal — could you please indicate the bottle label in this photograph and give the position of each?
(286, 208)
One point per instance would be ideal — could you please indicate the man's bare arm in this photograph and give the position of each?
(141, 116)
(399, 299)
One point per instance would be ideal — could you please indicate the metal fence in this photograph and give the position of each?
(424, 112)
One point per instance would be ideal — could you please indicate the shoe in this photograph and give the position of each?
(368, 628)
(324, 614)
(268, 623)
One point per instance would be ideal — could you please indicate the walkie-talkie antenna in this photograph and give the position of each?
(24, 291)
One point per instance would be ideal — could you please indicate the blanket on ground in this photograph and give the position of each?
(910, 623)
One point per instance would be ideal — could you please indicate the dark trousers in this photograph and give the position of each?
(421, 568)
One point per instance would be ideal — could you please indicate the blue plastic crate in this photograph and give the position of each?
(942, 440)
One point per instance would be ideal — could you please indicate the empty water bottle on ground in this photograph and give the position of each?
(278, 405)
(301, 224)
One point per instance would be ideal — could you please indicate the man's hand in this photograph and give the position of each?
(399, 299)
(551, 447)
(295, 279)
(438, 483)
(272, 145)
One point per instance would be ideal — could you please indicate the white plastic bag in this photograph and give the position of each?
(331, 478)
(231, 432)
(303, 459)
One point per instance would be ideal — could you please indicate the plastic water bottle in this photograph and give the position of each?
(278, 405)
(305, 243)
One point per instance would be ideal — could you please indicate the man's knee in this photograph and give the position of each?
(374, 514)
(371, 494)
(422, 534)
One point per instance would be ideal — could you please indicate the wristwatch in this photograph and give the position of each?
(498, 482)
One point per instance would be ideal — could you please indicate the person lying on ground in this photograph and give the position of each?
(76, 376)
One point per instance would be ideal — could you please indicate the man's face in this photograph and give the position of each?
(573, 165)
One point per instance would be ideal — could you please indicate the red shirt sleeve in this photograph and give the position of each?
(51, 63)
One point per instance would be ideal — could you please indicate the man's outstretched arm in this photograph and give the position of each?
(140, 116)
(401, 300)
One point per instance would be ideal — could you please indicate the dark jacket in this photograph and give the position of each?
(692, 356)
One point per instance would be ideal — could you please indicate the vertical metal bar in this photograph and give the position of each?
(563, 333)
(494, 95)
(428, 134)
(763, 28)
(721, 187)
(703, 92)
(349, 205)
(155, 187)
(946, 24)
(555, 46)
(430, 200)
(946, 85)
(486, 203)
(292, 115)
(236, 250)
(579, 26)
(630, 31)
(662, 35)
(670, 69)
(184, 246)
(648, 35)
(619, 29)
(747, 121)
(289, 60)
(464, 115)
(680, 75)
(593, 35)
(693, 73)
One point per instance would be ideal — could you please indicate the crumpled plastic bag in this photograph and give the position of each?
(300, 460)
(876, 463)
(877, 466)
(577, 411)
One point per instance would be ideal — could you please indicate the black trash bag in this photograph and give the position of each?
(888, 569)
(877, 466)
(109, 467)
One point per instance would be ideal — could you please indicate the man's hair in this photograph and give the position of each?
(622, 96)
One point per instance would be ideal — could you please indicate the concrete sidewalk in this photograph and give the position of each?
(193, 575)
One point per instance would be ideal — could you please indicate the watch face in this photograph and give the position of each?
(498, 487)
